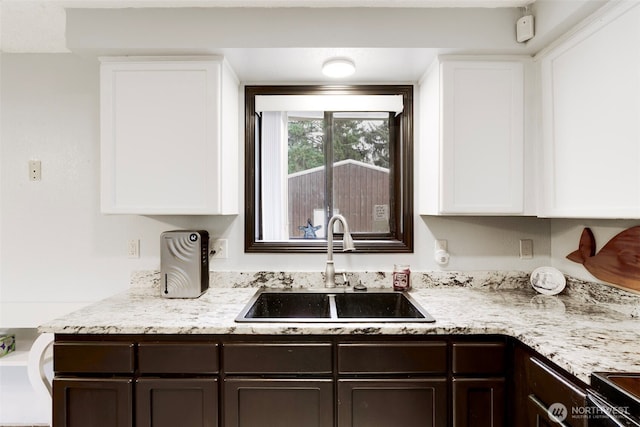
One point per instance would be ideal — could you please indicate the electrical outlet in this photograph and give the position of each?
(133, 248)
(526, 249)
(219, 249)
(35, 170)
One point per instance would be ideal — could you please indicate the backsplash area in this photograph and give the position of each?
(599, 294)
(378, 279)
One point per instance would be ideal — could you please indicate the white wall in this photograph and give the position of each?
(58, 246)
(202, 29)
(52, 233)
(553, 18)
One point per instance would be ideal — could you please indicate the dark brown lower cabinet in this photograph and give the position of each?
(278, 402)
(392, 402)
(478, 402)
(172, 402)
(558, 395)
(308, 381)
(544, 394)
(539, 416)
(92, 402)
(479, 370)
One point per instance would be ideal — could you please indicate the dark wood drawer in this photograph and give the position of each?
(550, 387)
(277, 358)
(392, 358)
(94, 357)
(178, 358)
(487, 358)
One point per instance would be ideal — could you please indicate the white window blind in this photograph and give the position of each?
(387, 103)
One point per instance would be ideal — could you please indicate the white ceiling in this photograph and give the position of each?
(39, 26)
(304, 64)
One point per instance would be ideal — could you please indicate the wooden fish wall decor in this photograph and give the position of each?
(618, 262)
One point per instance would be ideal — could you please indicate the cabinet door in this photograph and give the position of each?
(161, 136)
(278, 402)
(555, 391)
(167, 402)
(392, 403)
(518, 388)
(590, 119)
(541, 416)
(84, 402)
(482, 137)
(478, 402)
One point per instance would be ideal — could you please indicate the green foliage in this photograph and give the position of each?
(305, 145)
(363, 140)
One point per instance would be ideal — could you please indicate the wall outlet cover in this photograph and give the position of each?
(35, 170)
(219, 249)
(526, 249)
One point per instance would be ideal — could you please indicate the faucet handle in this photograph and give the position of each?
(345, 279)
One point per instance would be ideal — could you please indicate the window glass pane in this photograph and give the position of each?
(306, 175)
(361, 181)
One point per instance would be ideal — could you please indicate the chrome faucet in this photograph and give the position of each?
(347, 246)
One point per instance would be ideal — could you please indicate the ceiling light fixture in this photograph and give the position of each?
(338, 67)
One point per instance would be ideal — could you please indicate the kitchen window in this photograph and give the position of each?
(315, 151)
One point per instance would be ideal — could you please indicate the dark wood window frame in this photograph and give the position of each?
(400, 238)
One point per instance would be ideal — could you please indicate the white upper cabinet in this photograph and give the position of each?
(591, 118)
(169, 136)
(472, 138)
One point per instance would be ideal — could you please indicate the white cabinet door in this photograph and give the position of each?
(472, 144)
(169, 136)
(591, 119)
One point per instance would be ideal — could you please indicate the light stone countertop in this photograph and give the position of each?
(581, 330)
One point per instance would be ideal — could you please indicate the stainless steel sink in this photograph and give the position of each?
(617, 394)
(284, 305)
(333, 306)
(379, 305)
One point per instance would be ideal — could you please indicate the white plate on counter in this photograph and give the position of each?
(548, 280)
